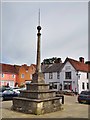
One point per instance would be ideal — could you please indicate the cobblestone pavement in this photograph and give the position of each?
(71, 109)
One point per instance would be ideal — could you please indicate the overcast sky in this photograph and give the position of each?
(64, 31)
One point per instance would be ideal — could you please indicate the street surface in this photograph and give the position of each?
(71, 109)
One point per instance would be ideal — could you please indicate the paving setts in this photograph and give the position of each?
(71, 109)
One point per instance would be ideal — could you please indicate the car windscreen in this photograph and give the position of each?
(85, 92)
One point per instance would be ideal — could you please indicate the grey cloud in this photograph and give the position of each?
(63, 26)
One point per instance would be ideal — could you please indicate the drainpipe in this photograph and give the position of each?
(78, 76)
(77, 83)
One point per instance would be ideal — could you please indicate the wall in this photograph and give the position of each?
(8, 79)
(69, 68)
(83, 78)
(54, 79)
(27, 74)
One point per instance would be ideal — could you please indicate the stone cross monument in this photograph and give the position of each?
(38, 76)
(37, 98)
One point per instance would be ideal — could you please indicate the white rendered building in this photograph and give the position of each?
(70, 75)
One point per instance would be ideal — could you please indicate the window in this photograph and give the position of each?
(30, 76)
(67, 85)
(55, 85)
(50, 75)
(83, 85)
(87, 85)
(52, 85)
(2, 75)
(11, 83)
(13, 76)
(22, 75)
(68, 75)
(58, 75)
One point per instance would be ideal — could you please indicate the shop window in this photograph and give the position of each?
(52, 85)
(68, 85)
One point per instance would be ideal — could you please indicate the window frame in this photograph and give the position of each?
(58, 75)
(13, 76)
(50, 75)
(3, 75)
(68, 75)
(22, 75)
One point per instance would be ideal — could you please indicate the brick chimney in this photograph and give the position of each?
(81, 59)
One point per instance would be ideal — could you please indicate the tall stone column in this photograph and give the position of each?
(38, 66)
(38, 77)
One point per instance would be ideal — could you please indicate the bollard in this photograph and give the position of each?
(62, 99)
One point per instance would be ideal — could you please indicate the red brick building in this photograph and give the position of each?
(15, 74)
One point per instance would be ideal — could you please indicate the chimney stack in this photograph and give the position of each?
(81, 59)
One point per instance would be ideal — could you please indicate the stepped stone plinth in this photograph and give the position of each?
(37, 99)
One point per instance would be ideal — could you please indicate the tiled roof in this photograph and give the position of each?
(79, 66)
(13, 68)
(55, 67)
(33, 65)
(9, 68)
(25, 67)
(17, 67)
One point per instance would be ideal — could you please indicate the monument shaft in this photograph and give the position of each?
(38, 66)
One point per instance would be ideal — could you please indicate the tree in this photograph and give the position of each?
(51, 60)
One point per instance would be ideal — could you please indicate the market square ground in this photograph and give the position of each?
(71, 109)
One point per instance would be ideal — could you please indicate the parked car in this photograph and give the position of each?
(84, 97)
(17, 89)
(3, 88)
(8, 94)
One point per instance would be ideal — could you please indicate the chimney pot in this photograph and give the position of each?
(81, 59)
